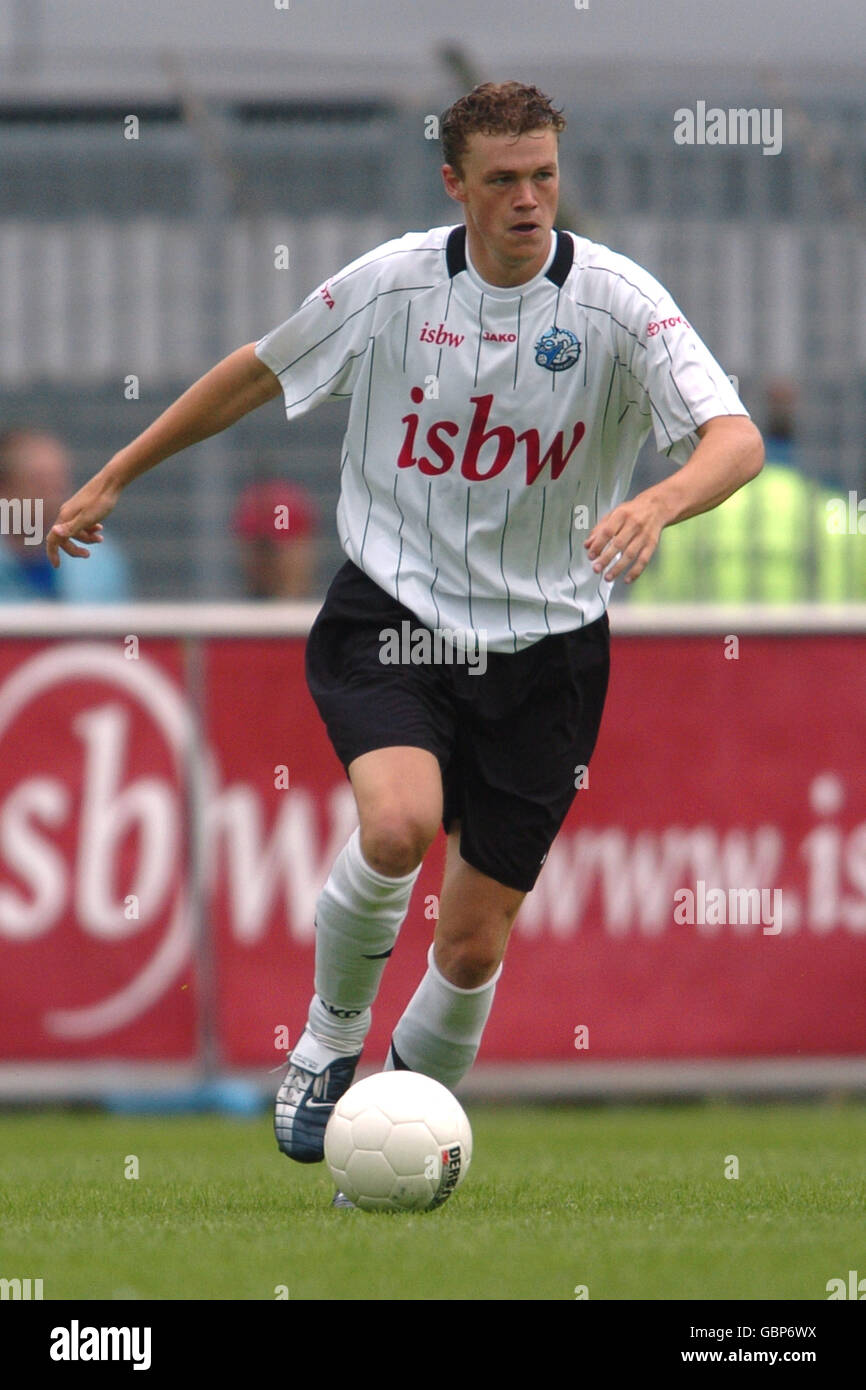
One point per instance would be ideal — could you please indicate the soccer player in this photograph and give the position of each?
(503, 375)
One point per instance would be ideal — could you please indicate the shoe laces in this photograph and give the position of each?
(297, 1082)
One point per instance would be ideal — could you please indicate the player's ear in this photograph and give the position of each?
(453, 183)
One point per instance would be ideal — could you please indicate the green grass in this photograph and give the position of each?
(631, 1202)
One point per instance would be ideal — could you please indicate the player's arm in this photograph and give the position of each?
(230, 390)
(729, 454)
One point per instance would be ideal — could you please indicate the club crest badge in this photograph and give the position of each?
(557, 350)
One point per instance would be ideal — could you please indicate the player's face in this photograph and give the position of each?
(509, 186)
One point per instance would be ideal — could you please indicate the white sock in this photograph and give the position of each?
(358, 916)
(440, 1031)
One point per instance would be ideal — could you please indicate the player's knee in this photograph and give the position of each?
(395, 843)
(468, 963)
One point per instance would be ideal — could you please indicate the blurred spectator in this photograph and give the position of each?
(769, 543)
(35, 480)
(276, 525)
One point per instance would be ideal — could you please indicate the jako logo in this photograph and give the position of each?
(500, 337)
(479, 435)
(442, 337)
(76, 1343)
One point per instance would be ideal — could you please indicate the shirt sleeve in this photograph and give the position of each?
(318, 353)
(685, 384)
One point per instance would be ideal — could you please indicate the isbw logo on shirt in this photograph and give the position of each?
(443, 337)
(478, 436)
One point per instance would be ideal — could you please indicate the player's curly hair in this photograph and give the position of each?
(495, 108)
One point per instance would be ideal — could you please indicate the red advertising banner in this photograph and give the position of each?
(706, 897)
(94, 913)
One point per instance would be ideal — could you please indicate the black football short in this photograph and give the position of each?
(510, 742)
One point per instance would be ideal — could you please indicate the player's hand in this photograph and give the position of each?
(626, 538)
(79, 520)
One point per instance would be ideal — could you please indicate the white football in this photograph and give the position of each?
(398, 1141)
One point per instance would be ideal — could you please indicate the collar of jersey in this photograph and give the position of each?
(511, 291)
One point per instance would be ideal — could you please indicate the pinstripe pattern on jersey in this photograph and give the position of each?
(335, 332)
(444, 320)
(406, 334)
(480, 338)
(466, 558)
(517, 344)
(399, 538)
(459, 531)
(572, 576)
(538, 556)
(364, 448)
(502, 570)
(432, 562)
(319, 387)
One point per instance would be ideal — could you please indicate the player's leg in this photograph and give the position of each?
(440, 1031)
(476, 915)
(389, 730)
(398, 792)
(526, 728)
(359, 913)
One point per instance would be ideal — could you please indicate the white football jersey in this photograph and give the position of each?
(491, 428)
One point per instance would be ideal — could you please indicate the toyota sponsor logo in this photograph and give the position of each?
(658, 325)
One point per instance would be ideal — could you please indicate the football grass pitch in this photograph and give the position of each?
(604, 1202)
